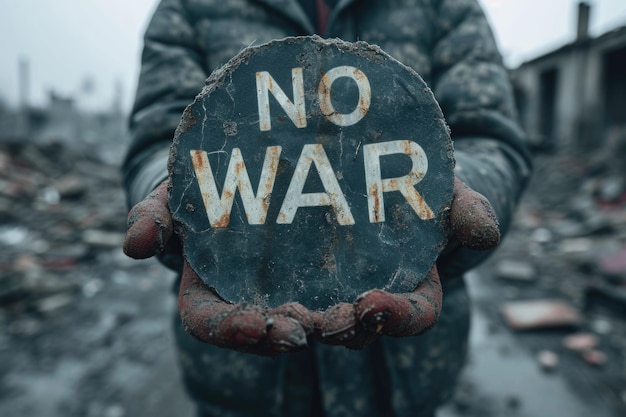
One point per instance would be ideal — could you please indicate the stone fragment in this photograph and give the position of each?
(71, 186)
(54, 302)
(601, 326)
(612, 188)
(548, 360)
(612, 264)
(103, 238)
(541, 235)
(92, 287)
(576, 245)
(595, 357)
(581, 342)
(538, 314)
(516, 271)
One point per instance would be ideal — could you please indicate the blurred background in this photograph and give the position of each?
(86, 331)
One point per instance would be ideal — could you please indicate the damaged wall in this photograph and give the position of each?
(574, 96)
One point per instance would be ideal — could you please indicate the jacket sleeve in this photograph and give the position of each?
(171, 75)
(474, 91)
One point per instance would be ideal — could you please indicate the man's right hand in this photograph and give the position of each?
(204, 314)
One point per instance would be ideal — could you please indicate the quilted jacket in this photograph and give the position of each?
(449, 43)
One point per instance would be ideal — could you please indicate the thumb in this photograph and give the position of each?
(149, 225)
(472, 219)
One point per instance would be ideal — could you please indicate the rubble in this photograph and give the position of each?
(77, 303)
(55, 223)
(571, 228)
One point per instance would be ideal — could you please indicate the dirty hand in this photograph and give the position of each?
(473, 224)
(204, 314)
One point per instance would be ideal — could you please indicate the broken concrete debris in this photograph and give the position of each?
(548, 360)
(540, 314)
(581, 342)
(515, 271)
(60, 213)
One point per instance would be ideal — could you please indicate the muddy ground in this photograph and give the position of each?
(86, 331)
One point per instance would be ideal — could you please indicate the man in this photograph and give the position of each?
(449, 43)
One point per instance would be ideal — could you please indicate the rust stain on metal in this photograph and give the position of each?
(324, 90)
(407, 147)
(240, 168)
(373, 191)
(198, 161)
(425, 213)
(342, 216)
(265, 202)
(223, 221)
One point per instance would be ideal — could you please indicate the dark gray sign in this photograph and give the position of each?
(311, 170)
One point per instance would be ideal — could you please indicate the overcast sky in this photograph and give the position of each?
(85, 48)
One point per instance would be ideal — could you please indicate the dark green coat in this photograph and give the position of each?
(449, 43)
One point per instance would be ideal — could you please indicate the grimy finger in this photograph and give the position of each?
(404, 314)
(339, 326)
(297, 312)
(472, 219)
(212, 320)
(336, 325)
(149, 225)
(285, 334)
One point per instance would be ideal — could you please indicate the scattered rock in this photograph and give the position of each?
(595, 357)
(516, 271)
(581, 342)
(541, 235)
(548, 360)
(538, 314)
(102, 238)
(54, 302)
(611, 188)
(601, 326)
(576, 245)
(92, 287)
(71, 186)
(613, 265)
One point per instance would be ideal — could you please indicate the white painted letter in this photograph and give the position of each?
(332, 197)
(296, 110)
(365, 95)
(377, 186)
(218, 208)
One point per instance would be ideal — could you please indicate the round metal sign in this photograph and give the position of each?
(311, 170)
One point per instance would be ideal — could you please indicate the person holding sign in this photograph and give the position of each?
(385, 349)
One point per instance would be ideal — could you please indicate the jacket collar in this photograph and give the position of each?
(292, 9)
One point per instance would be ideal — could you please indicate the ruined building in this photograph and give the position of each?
(574, 98)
